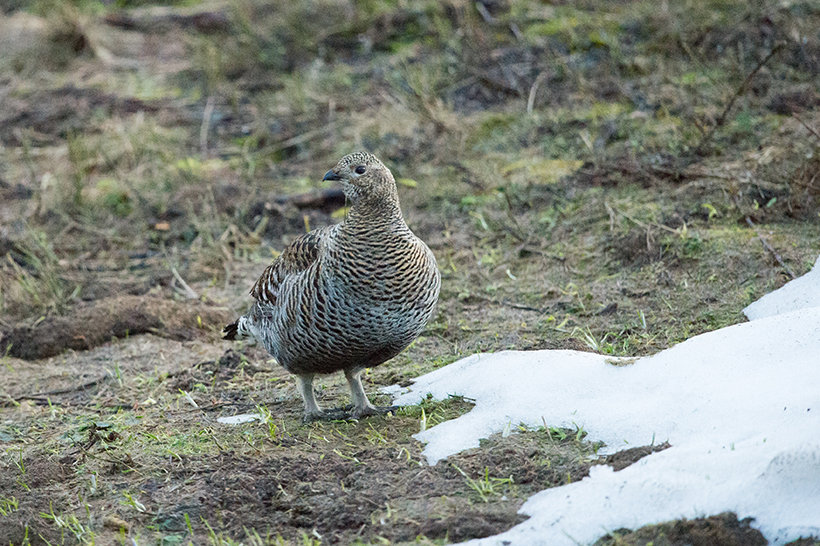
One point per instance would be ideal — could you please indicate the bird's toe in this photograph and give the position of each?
(368, 411)
(335, 414)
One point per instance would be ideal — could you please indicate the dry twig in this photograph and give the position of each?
(740, 91)
(811, 129)
(771, 249)
(40, 395)
(186, 290)
(206, 125)
(534, 89)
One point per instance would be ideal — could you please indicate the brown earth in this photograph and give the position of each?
(719, 530)
(90, 325)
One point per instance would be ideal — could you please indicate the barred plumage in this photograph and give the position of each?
(349, 296)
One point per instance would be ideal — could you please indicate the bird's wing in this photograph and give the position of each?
(296, 257)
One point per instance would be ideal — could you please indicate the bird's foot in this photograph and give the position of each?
(335, 414)
(367, 411)
(348, 413)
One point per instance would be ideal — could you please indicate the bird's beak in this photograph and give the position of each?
(330, 175)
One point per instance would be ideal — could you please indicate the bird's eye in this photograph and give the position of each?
(360, 169)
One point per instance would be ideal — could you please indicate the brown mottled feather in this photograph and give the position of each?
(348, 296)
(297, 257)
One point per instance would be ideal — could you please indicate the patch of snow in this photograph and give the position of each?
(800, 293)
(394, 390)
(239, 419)
(740, 406)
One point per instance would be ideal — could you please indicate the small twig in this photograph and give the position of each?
(697, 60)
(771, 250)
(39, 395)
(238, 405)
(216, 440)
(612, 215)
(740, 91)
(485, 13)
(516, 32)
(206, 125)
(39, 401)
(811, 129)
(304, 137)
(189, 292)
(507, 303)
(71, 224)
(452, 88)
(490, 20)
(525, 248)
(644, 225)
(494, 83)
(518, 233)
(471, 179)
(534, 89)
(514, 305)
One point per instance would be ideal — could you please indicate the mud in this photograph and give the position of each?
(90, 325)
(721, 530)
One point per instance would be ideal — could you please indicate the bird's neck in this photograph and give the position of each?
(375, 217)
(380, 206)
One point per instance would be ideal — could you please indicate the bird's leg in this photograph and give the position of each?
(361, 405)
(312, 410)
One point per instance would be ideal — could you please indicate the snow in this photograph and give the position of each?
(740, 406)
(239, 419)
(798, 294)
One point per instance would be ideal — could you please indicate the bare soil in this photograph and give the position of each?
(722, 529)
(90, 325)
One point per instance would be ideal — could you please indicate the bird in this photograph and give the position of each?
(347, 297)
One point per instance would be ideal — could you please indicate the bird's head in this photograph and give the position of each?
(364, 178)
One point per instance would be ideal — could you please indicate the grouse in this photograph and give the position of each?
(345, 297)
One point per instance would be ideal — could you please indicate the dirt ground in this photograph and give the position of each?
(604, 176)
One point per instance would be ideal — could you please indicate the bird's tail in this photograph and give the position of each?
(238, 330)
